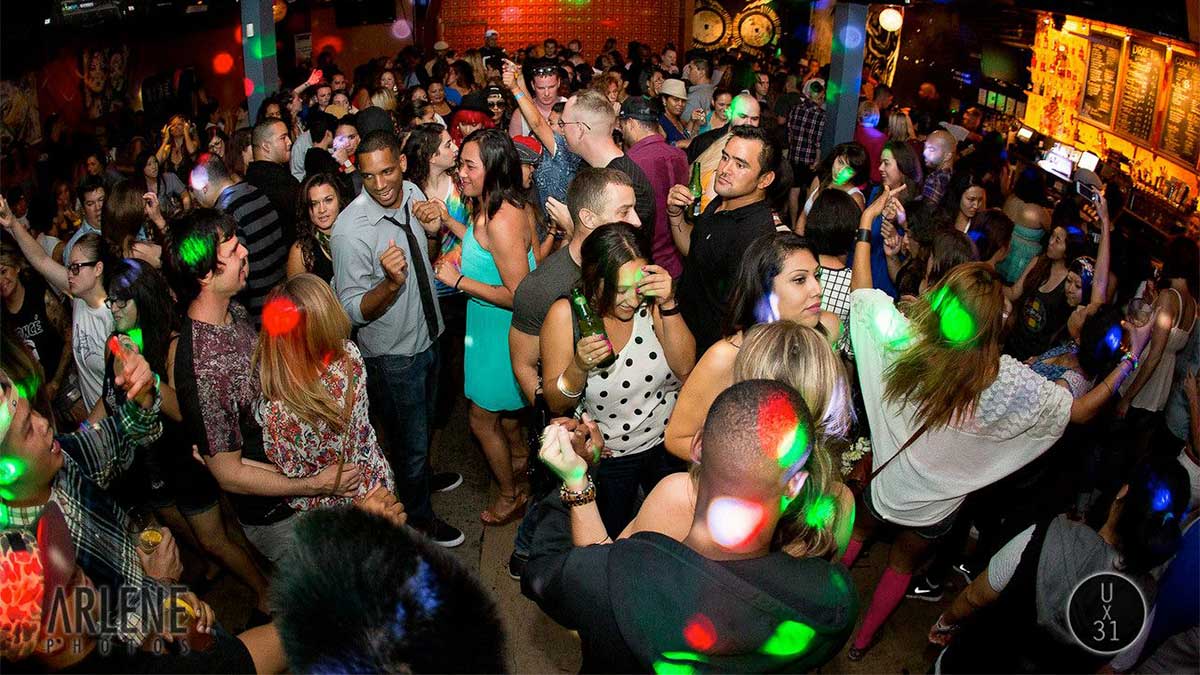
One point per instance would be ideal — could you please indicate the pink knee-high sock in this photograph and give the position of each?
(852, 550)
(888, 594)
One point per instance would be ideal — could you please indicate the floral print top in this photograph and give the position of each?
(300, 449)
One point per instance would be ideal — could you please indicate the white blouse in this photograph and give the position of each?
(1020, 415)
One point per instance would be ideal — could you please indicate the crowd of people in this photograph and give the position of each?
(707, 366)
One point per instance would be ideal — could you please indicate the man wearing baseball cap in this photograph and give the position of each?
(663, 164)
(491, 44)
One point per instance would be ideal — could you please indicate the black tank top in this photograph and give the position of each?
(1039, 319)
(33, 326)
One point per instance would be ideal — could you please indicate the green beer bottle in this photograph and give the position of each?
(590, 324)
(697, 190)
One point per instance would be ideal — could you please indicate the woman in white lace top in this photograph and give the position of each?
(936, 382)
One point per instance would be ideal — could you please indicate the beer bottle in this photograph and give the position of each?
(697, 190)
(590, 324)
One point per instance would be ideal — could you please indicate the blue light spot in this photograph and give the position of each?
(1113, 338)
(1161, 501)
(852, 37)
(421, 586)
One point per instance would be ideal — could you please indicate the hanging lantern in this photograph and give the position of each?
(890, 19)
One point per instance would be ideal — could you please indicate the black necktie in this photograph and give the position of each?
(417, 268)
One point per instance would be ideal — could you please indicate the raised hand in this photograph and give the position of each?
(432, 213)
(394, 263)
(558, 453)
(657, 284)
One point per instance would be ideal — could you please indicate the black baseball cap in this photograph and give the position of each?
(641, 108)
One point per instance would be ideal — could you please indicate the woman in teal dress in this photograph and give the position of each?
(1031, 221)
(496, 255)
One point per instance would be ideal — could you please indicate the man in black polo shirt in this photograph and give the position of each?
(713, 244)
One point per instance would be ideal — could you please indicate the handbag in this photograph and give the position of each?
(862, 475)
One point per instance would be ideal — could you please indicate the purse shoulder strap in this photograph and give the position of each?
(910, 441)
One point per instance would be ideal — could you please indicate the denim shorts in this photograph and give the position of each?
(934, 531)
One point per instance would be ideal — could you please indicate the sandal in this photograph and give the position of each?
(492, 519)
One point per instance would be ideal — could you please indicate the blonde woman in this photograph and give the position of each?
(314, 386)
(819, 520)
(384, 98)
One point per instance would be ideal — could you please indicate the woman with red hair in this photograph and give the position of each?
(472, 115)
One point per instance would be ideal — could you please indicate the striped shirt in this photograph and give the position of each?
(92, 458)
(260, 230)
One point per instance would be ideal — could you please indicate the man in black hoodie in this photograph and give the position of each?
(270, 172)
(720, 600)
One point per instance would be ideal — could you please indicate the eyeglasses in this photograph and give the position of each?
(117, 304)
(74, 268)
(545, 70)
(562, 125)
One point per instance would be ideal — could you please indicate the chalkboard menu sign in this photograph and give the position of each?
(1181, 130)
(1143, 76)
(1100, 85)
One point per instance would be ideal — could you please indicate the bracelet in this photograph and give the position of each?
(562, 388)
(864, 236)
(456, 283)
(669, 312)
(517, 95)
(572, 498)
(1132, 359)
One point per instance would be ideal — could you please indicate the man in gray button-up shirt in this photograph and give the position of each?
(375, 270)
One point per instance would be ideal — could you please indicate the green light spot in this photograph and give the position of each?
(193, 250)
(135, 334)
(685, 656)
(4, 518)
(956, 323)
(820, 514)
(790, 639)
(793, 446)
(891, 330)
(260, 51)
(11, 469)
(668, 668)
(843, 176)
(28, 388)
(5, 493)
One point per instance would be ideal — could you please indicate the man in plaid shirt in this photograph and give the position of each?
(75, 470)
(805, 127)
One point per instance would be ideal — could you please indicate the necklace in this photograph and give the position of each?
(323, 243)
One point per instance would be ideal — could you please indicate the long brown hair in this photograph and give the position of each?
(292, 352)
(953, 352)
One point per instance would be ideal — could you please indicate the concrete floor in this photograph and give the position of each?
(536, 644)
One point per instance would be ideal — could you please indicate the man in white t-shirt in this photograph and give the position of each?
(545, 77)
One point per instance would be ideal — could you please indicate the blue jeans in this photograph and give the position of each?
(403, 391)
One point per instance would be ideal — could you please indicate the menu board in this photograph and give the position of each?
(1181, 130)
(1100, 84)
(1143, 76)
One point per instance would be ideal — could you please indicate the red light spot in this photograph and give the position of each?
(331, 41)
(700, 633)
(237, 34)
(608, 23)
(249, 85)
(776, 418)
(280, 317)
(222, 63)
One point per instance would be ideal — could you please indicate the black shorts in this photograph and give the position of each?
(179, 480)
(935, 531)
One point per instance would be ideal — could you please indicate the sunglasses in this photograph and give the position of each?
(545, 70)
(562, 125)
(75, 268)
(495, 104)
